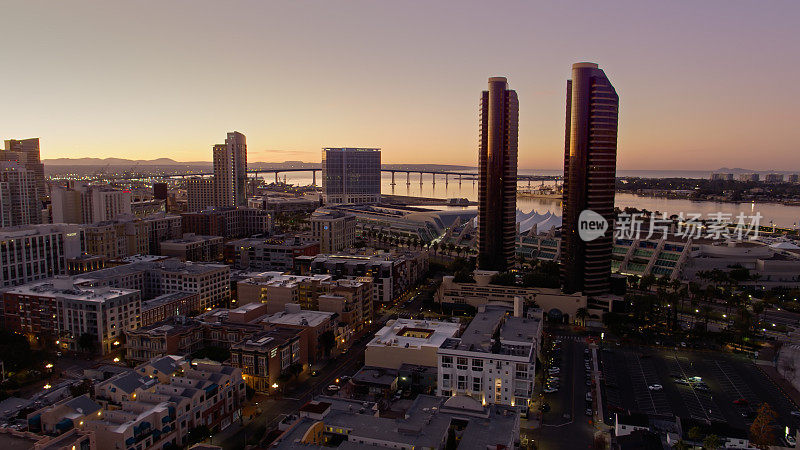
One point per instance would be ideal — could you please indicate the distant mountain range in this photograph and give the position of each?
(119, 162)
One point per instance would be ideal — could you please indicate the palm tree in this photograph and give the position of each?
(705, 310)
(680, 445)
(581, 314)
(758, 309)
(711, 442)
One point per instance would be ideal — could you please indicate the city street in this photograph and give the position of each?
(566, 424)
(306, 387)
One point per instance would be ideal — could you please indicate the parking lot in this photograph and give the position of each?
(711, 387)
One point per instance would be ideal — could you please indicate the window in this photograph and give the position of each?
(477, 365)
(522, 372)
(477, 384)
(447, 361)
(462, 383)
(445, 381)
(461, 363)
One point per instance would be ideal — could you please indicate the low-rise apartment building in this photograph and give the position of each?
(192, 247)
(56, 310)
(276, 290)
(428, 423)
(230, 223)
(406, 341)
(211, 282)
(169, 305)
(350, 299)
(278, 204)
(264, 357)
(176, 336)
(494, 359)
(390, 274)
(313, 324)
(275, 253)
(150, 412)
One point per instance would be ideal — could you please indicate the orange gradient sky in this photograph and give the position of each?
(702, 85)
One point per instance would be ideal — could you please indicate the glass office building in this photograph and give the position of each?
(351, 175)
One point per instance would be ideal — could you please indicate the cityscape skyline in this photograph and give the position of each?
(404, 294)
(676, 77)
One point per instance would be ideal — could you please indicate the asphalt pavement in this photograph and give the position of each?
(566, 424)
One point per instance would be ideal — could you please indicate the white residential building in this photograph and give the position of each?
(494, 360)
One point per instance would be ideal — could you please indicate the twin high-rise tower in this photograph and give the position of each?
(590, 157)
(590, 164)
(497, 186)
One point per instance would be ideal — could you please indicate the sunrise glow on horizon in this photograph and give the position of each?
(701, 85)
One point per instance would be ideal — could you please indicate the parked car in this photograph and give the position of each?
(333, 388)
(589, 412)
(655, 387)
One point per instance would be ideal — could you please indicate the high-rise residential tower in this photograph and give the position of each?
(25, 152)
(199, 193)
(590, 162)
(230, 171)
(351, 175)
(497, 188)
(19, 201)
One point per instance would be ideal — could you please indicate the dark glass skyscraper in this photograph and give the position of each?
(497, 188)
(590, 164)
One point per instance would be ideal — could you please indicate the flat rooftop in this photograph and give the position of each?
(304, 317)
(425, 424)
(192, 238)
(517, 334)
(414, 333)
(282, 280)
(166, 298)
(479, 332)
(64, 288)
